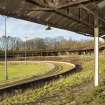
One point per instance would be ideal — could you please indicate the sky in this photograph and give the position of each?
(21, 28)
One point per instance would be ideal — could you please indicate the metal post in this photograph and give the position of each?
(26, 38)
(25, 50)
(6, 72)
(96, 49)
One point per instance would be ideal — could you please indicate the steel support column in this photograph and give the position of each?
(96, 51)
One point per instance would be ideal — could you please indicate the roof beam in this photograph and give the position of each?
(73, 3)
(46, 4)
(41, 9)
(71, 16)
(34, 2)
(91, 12)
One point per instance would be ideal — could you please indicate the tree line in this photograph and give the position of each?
(17, 44)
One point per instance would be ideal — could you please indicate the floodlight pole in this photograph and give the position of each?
(96, 51)
(6, 72)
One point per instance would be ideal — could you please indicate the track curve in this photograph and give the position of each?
(41, 80)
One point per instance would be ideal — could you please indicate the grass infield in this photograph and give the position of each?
(16, 70)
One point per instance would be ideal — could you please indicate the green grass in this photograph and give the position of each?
(18, 70)
(66, 91)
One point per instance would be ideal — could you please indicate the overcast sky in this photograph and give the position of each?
(21, 28)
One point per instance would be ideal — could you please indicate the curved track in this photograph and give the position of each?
(39, 80)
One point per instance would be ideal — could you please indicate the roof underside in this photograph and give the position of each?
(72, 15)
